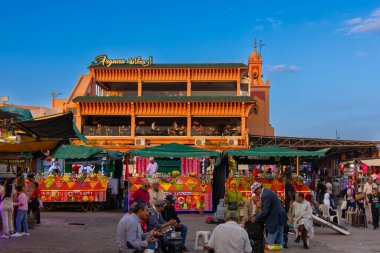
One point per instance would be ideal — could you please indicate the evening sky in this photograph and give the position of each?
(321, 57)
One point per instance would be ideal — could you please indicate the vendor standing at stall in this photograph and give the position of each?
(234, 199)
(156, 193)
(55, 169)
(152, 167)
(86, 169)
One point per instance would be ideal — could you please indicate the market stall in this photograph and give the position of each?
(188, 181)
(274, 184)
(85, 191)
(63, 191)
(268, 175)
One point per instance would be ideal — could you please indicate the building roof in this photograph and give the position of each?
(174, 65)
(24, 114)
(163, 99)
(273, 151)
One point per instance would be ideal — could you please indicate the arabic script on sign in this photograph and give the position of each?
(103, 60)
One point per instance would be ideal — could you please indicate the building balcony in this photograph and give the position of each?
(107, 130)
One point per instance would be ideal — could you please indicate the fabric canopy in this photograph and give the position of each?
(19, 113)
(273, 151)
(28, 144)
(71, 152)
(371, 162)
(53, 127)
(173, 150)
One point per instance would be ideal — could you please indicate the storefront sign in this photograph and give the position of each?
(189, 201)
(103, 60)
(73, 196)
(12, 161)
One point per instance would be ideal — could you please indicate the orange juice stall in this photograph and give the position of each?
(87, 193)
(274, 184)
(190, 192)
(187, 180)
(268, 175)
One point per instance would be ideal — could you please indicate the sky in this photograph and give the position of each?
(322, 57)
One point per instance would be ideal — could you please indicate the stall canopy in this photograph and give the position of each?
(369, 162)
(53, 127)
(174, 150)
(274, 151)
(42, 134)
(70, 152)
(15, 112)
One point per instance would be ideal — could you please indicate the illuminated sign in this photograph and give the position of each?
(12, 161)
(103, 60)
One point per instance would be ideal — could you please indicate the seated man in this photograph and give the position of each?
(170, 213)
(155, 217)
(303, 220)
(229, 237)
(130, 236)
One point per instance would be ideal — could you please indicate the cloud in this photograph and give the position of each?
(259, 27)
(283, 68)
(274, 22)
(353, 21)
(361, 53)
(361, 25)
(376, 13)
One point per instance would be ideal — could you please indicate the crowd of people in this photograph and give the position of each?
(263, 210)
(20, 200)
(150, 222)
(152, 218)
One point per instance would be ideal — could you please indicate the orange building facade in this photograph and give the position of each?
(128, 104)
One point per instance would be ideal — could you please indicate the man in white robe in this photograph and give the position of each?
(303, 220)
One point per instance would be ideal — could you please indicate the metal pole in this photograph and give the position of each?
(298, 165)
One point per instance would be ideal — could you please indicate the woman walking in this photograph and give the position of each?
(6, 208)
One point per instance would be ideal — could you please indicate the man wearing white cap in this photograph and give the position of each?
(152, 167)
(272, 214)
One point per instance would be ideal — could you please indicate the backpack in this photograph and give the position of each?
(255, 230)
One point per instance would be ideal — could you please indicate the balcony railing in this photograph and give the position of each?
(160, 131)
(211, 131)
(106, 130)
(157, 131)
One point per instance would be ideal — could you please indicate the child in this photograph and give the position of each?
(22, 212)
(375, 206)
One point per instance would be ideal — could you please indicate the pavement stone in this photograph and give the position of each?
(99, 229)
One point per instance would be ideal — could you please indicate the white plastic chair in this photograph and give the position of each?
(325, 209)
(201, 238)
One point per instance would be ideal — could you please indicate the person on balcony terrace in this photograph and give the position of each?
(155, 130)
(182, 130)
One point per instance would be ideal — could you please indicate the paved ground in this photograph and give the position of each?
(98, 235)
